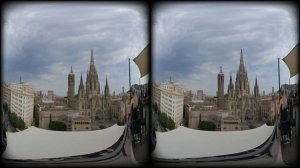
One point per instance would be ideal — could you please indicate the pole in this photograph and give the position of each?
(276, 127)
(278, 76)
(129, 75)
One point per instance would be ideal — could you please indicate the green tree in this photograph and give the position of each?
(252, 126)
(57, 126)
(171, 123)
(166, 121)
(13, 118)
(20, 124)
(16, 121)
(207, 126)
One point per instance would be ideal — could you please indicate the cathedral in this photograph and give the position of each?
(89, 102)
(238, 100)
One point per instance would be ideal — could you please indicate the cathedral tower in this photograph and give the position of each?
(220, 84)
(92, 82)
(242, 87)
(71, 86)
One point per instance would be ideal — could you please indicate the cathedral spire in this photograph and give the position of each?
(230, 79)
(256, 88)
(106, 88)
(242, 59)
(221, 69)
(106, 81)
(92, 57)
(256, 80)
(81, 82)
(242, 64)
(71, 70)
(92, 69)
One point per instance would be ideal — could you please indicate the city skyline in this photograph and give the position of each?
(43, 40)
(193, 40)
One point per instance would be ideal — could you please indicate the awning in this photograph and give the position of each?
(142, 61)
(292, 61)
(36, 143)
(183, 142)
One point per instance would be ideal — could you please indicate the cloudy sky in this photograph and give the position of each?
(192, 40)
(41, 41)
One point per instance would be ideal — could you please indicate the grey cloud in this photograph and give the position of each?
(43, 40)
(194, 39)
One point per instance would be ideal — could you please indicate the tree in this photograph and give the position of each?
(166, 121)
(50, 120)
(57, 126)
(13, 118)
(171, 123)
(16, 121)
(20, 124)
(252, 126)
(207, 126)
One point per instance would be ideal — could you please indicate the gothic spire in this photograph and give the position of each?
(221, 69)
(256, 88)
(92, 69)
(242, 65)
(106, 81)
(106, 88)
(92, 57)
(230, 79)
(81, 82)
(71, 70)
(256, 81)
(242, 59)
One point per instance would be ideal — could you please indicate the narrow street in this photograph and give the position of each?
(141, 150)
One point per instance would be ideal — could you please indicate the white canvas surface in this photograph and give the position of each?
(36, 143)
(190, 143)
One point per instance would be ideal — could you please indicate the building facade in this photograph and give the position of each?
(231, 123)
(51, 95)
(22, 99)
(169, 98)
(205, 111)
(89, 102)
(81, 123)
(6, 94)
(238, 100)
(118, 109)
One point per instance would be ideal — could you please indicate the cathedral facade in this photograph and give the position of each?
(89, 102)
(238, 100)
